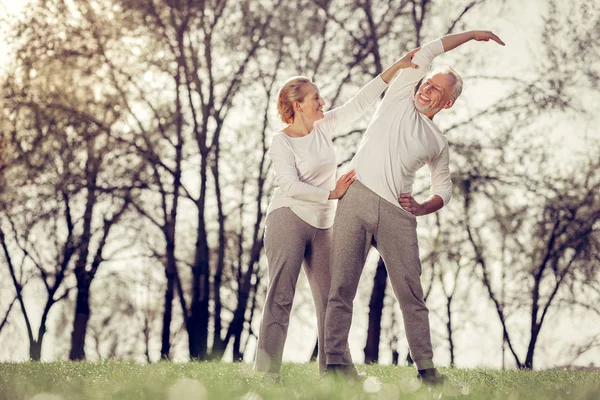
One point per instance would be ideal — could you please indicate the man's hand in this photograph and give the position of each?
(431, 205)
(409, 204)
(454, 40)
(484, 36)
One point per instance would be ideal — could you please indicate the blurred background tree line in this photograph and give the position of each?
(134, 179)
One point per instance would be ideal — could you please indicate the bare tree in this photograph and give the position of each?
(67, 159)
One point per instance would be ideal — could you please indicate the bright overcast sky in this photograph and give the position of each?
(8, 8)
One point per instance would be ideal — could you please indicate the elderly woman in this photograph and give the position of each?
(301, 212)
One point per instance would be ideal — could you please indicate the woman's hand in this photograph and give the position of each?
(406, 60)
(342, 185)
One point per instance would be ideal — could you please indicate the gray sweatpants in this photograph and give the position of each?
(288, 242)
(363, 218)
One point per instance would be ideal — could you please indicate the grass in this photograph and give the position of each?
(213, 380)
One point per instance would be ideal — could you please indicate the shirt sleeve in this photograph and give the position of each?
(286, 174)
(342, 117)
(406, 80)
(441, 184)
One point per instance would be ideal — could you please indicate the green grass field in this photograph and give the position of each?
(212, 380)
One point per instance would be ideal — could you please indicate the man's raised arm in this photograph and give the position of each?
(456, 39)
(405, 81)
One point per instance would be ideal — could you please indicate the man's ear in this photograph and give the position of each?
(449, 103)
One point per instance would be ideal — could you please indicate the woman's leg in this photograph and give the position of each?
(319, 279)
(286, 236)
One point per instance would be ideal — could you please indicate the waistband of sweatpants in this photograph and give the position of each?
(361, 190)
(360, 187)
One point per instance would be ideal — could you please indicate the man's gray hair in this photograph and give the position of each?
(458, 82)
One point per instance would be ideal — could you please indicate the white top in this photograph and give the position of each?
(305, 166)
(400, 140)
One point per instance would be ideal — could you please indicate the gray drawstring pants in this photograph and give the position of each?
(289, 243)
(363, 218)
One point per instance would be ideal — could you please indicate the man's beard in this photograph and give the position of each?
(422, 108)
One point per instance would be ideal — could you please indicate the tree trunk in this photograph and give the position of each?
(199, 316)
(217, 349)
(236, 327)
(84, 279)
(170, 272)
(237, 324)
(449, 328)
(35, 349)
(531, 349)
(375, 313)
(82, 316)
(238, 356)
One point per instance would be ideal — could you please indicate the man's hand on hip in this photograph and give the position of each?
(409, 204)
(431, 205)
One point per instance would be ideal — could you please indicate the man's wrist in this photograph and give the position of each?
(421, 210)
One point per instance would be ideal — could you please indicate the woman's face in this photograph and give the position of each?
(312, 104)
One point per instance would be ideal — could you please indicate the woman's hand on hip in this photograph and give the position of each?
(342, 185)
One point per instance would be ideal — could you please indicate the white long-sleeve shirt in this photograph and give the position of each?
(305, 167)
(400, 140)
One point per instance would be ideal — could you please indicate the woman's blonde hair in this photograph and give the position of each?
(291, 91)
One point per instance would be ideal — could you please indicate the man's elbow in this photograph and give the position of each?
(447, 198)
(445, 195)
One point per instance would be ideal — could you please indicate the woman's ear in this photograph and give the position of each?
(297, 107)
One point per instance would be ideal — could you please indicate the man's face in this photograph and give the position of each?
(435, 94)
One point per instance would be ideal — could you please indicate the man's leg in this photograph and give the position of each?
(397, 243)
(355, 219)
(319, 279)
(286, 236)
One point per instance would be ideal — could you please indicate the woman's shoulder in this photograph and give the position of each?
(327, 125)
(280, 139)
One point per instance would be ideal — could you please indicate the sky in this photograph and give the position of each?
(10, 8)
(514, 28)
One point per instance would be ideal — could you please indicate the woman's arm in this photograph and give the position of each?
(286, 177)
(341, 117)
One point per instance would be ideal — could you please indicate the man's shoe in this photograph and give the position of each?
(431, 377)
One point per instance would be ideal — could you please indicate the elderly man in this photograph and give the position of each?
(379, 209)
